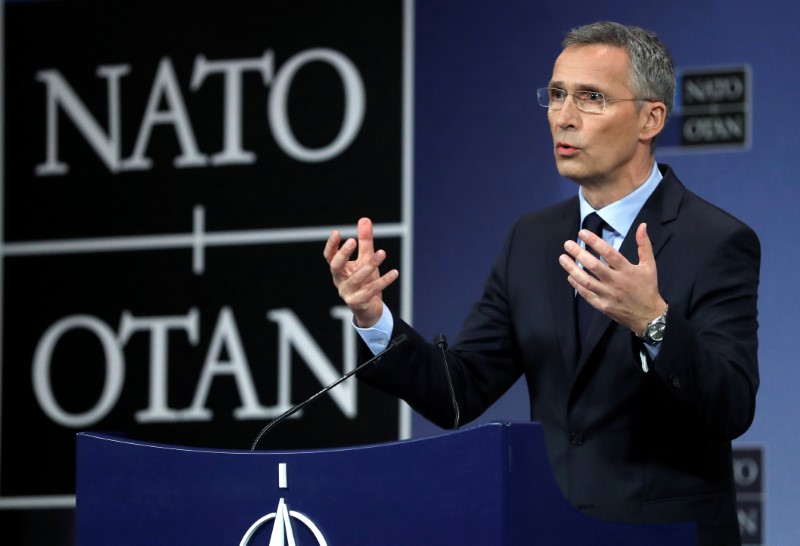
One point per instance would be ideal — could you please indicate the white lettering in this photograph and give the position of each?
(158, 409)
(226, 338)
(748, 521)
(293, 335)
(232, 71)
(225, 357)
(354, 107)
(745, 471)
(166, 106)
(165, 86)
(114, 371)
(714, 129)
(714, 89)
(59, 93)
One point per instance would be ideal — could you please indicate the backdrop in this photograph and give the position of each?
(483, 157)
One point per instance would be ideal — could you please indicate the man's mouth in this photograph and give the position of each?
(564, 149)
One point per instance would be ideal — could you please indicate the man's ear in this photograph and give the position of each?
(654, 116)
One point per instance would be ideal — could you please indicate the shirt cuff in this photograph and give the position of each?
(377, 337)
(652, 352)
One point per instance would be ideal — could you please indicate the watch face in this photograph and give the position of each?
(656, 331)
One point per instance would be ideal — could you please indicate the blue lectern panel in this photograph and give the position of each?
(488, 485)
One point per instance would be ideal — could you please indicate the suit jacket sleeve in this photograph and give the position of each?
(708, 359)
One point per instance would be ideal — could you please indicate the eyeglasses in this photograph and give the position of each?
(591, 102)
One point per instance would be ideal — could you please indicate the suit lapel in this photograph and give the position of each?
(563, 295)
(659, 210)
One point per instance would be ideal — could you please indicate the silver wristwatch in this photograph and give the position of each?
(654, 333)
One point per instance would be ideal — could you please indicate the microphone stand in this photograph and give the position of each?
(402, 338)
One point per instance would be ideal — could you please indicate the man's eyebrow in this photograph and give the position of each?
(578, 86)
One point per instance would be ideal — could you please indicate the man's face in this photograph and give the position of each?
(596, 150)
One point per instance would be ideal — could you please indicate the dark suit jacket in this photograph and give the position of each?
(624, 445)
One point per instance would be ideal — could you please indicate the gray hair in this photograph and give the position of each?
(652, 74)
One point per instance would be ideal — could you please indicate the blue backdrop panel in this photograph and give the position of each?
(484, 156)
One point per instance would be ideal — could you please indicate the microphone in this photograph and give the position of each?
(441, 341)
(396, 342)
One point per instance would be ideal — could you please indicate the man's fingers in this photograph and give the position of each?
(358, 279)
(378, 285)
(577, 275)
(612, 257)
(332, 246)
(589, 261)
(341, 258)
(365, 238)
(336, 256)
(644, 245)
(365, 270)
(355, 295)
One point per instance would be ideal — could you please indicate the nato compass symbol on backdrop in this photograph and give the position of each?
(283, 533)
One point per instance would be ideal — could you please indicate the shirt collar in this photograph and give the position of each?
(620, 215)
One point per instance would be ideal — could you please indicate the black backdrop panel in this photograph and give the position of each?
(170, 176)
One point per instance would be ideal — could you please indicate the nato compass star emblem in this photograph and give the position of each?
(282, 530)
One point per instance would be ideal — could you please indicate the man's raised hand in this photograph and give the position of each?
(358, 280)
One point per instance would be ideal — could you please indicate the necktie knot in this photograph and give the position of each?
(594, 223)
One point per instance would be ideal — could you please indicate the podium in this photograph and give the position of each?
(487, 485)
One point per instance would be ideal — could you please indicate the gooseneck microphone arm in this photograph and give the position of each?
(402, 338)
(441, 341)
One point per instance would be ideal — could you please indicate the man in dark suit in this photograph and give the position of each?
(640, 404)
